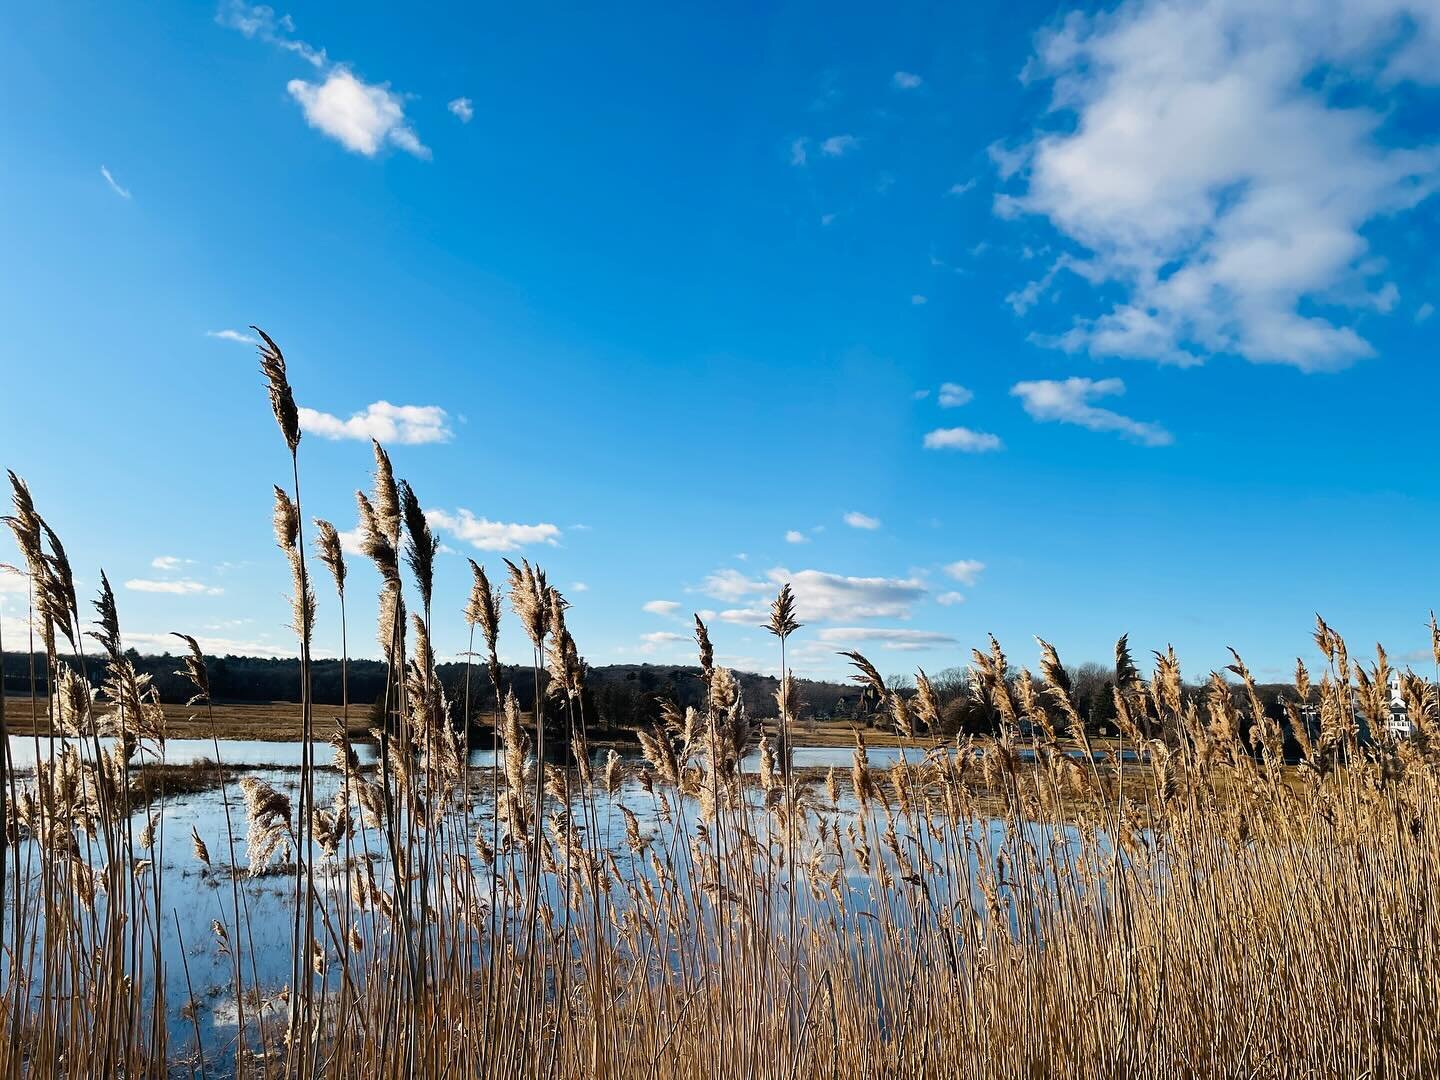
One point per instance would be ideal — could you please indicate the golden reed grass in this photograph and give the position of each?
(996, 907)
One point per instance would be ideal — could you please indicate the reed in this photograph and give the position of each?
(1022, 905)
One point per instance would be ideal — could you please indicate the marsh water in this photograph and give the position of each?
(194, 896)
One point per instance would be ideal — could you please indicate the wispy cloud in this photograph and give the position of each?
(857, 520)
(839, 145)
(579, 586)
(886, 638)
(233, 335)
(1424, 311)
(666, 608)
(906, 80)
(169, 562)
(949, 599)
(1068, 402)
(124, 193)
(260, 22)
(799, 151)
(403, 424)
(174, 586)
(795, 536)
(953, 395)
(819, 595)
(490, 535)
(463, 109)
(918, 299)
(1218, 183)
(960, 189)
(965, 571)
(655, 640)
(963, 439)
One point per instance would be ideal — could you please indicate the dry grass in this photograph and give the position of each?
(962, 914)
(277, 721)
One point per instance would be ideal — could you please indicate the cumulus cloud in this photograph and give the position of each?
(886, 638)
(839, 145)
(731, 584)
(1068, 402)
(857, 520)
(490, 535)
(795, 536)
(1218, 162)
(403, 424)
(953, 395)
(906, 80)
(233, 335)
(463, 109)
(962, 439)
(661, 607)
(965, 571)
(124, 193)
(362, 117)
(651, 642)
(949, 599)
(168, 562)
(175, 586)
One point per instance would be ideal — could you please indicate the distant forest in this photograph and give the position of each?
(616, 695)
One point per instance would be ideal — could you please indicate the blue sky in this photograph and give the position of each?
(965, 318)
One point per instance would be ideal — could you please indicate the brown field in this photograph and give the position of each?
(274, 720)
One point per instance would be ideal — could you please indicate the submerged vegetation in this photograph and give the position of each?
(1011, 906)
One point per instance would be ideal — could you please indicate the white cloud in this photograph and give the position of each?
(900, 640)
(403, 424)
(124, 193)
(259, 21)
(857, 520)
(361, 116)
(490, 535)
(920, 395)
(169, 562)
(965, 571)
(953, 395)
(661, 607)
(906, 80)
(839, 145)
(463, 109)
(579, 586)
(819, 596)
(730, 584)
(918, 299)
(176, 587)
(653, 641)
(963, 439)
(1068, 402)
(949, 599)
(1220, 160)
(350, 541)
(960, 189)
(799, 151)
(795, 536)
(233, 335)
(1424, 311)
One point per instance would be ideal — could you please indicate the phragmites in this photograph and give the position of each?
(483, 610)
(782, 614)
(330, 552)
(387, 497)
(197, 845)
(267, 815)
(282, 400)
(72, 697)
(927, 704)
(54, 589)
(107, 619)
(707, 651)
(287, 534)
(420, 552)
(867, 676)
(1435, 639)
(194, 670)
(530, 599)
(562, 658)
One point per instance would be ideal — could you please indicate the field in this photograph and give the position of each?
(976, 907)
